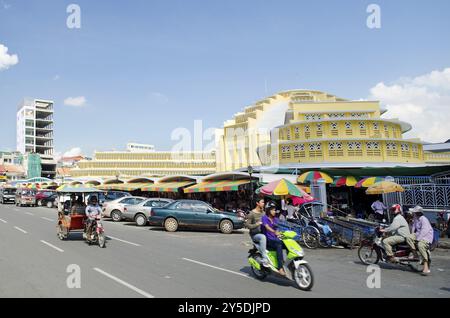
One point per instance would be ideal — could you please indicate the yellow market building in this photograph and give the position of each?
(151, 164)
(313, 129)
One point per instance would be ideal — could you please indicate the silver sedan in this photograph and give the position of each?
(114, 209)
(140, 213)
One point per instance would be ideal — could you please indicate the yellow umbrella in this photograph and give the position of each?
(384, 187)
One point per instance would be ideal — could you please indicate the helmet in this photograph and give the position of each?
(270, 205)
(396, 208)
(416, 209)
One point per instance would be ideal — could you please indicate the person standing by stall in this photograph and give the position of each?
(378, 208)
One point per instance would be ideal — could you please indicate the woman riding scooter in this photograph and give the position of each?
(269, 222)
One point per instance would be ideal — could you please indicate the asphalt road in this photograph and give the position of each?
(148, 262)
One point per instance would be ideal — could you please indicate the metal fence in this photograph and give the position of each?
(429, 196)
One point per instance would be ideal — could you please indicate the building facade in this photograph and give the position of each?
(321, 130)
(35, 132)
(150, 164)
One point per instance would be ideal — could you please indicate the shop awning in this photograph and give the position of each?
(217, 186)
(167, 186)
(124, 186)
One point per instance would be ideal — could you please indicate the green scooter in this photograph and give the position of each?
(295, 267)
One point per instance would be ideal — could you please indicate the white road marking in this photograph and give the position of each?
(137, 290)
(215, 267)
(1, 220)
(48, 219)
(29, 213)
(16, 210)
(21, 230)
(52, 246)
(120, 240)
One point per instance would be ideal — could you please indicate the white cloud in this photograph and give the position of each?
(7, 60)
(422, 101)
(75, 101)
(5, 5)
(158, 98)
(56, 77)
(74, 152)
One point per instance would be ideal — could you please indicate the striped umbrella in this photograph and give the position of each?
(282, 187)
(314, 175)
(348, 181)
(367, 182)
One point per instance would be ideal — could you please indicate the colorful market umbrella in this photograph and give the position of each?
(314, 175)
(384, 187)
(348, 181)
(367, 182)
(299, 201)
(282, 187)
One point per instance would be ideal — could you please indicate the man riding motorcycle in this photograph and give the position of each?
(400, 232)
(92, 211)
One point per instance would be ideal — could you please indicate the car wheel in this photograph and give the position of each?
(226, 227)
(116, 215)
(171, 225)
(39, 203)
(49, 204)
(140, 220)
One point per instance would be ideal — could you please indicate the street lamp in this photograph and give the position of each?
(250, 172)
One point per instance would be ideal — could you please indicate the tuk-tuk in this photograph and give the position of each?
(71, 213)
(25, 196)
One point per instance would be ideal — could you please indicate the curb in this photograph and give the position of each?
(444, 245)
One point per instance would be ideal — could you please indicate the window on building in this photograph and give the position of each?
(373, 149)
(334, 129)
(297, 132)
(285, 152)
(354, 149)
(405, 150)
(391, 149)
(415, 151)
(315, 150)
(319, 132)
(299, 151)
(307, 131)
(335, 149)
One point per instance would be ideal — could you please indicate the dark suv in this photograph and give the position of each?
(8, 195)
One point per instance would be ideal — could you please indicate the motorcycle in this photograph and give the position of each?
(372, 251)
(296, 268)
(97, 233)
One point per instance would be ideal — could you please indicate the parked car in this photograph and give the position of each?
(140, 213)
(40, 195)
(7, 195)
(196, 215)
(50, 201)
(110, 196)
(114, 209)
(25, 197)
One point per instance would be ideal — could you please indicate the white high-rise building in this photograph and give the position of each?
(35, 132)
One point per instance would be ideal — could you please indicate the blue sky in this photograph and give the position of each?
(148, 67)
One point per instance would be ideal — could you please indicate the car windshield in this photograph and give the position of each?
(9, 191)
